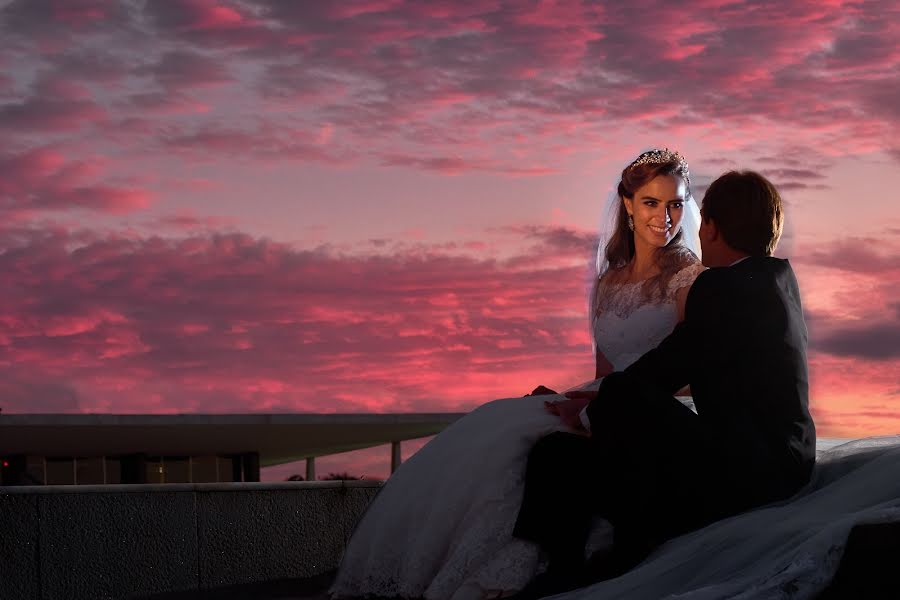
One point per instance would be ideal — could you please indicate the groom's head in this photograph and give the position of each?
(742, 215)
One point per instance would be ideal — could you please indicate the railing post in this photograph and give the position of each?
(250, 466)
(395, 456)
(311, 468)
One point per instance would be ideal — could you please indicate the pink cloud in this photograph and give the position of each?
(215, 321)
(215, 17)
(160, 104)
(450, 87)
(187, 220)
(266, 142)
(43, 179)
(79, 14)
(51, 113)
(854, 397)
(92, 65)
(456, 165)
(226, 322)
(46, 17)
(180, 70)
(873, 255)
(192, 15)
(229, 323)
(369, 68)
(211, 22)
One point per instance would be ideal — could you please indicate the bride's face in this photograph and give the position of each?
(657, 209)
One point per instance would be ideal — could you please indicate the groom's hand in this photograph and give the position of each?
(541, 391)
(569, 410)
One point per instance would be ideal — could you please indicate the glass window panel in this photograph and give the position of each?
(113, 470)
(177, 470)
(34, 470)
(226, 469)
(204, 469)
(60, 471)
(89, 471)
(155, 471)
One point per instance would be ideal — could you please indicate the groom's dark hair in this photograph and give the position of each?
(747, 210)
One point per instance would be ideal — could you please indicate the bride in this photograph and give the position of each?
(441, 527)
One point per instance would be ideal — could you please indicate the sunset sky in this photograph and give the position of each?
(391, 206)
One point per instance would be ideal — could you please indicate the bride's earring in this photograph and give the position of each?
(630, 222)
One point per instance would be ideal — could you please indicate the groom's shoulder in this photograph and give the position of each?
(712, 276)
(738, 276)
(754, 266)
(764, 266)
(763, 277)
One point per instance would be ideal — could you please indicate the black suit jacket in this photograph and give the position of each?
(742, 349)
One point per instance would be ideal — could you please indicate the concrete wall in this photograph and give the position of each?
(121, 541)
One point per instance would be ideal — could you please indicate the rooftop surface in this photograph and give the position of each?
(867, 571)
(313, 588)
(278, 438)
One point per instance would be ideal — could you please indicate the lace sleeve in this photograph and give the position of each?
(685, 277)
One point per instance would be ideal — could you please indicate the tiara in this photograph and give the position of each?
(658, 157)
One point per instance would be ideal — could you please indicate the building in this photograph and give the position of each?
(60, 449)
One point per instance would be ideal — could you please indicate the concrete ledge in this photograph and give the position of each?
(112, 545)
(132, 541)
(31, 490)
(19, 560)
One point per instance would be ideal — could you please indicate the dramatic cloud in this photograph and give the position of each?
(265, 142)
(408, 158)
(232, 323)
(852, 306)
(44, 179)
(470, 83)
(180, 69)
(878, 341)
(877, 256)
(188, 221)
(854, 397)
(48, 18)
(54, 106)
(456, 165)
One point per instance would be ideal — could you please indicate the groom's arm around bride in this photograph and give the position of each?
(654, 468)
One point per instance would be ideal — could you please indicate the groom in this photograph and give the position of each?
(648, 464)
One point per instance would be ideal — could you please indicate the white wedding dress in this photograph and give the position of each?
(789, 549)
(441, 527)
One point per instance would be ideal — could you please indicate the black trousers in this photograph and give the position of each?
(649, 468)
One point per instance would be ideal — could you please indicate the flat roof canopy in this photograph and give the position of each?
(278, 438)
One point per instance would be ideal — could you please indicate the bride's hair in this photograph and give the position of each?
(619, 251)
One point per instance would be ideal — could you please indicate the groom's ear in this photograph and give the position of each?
(712, 230)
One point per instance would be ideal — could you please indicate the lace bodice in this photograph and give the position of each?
(626, 324)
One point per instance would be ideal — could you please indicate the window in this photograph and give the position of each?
(89, 471)
(204, 469)
(34, 470)
(113, 470)
(154, 470)
(177, 469)
(60, 471)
